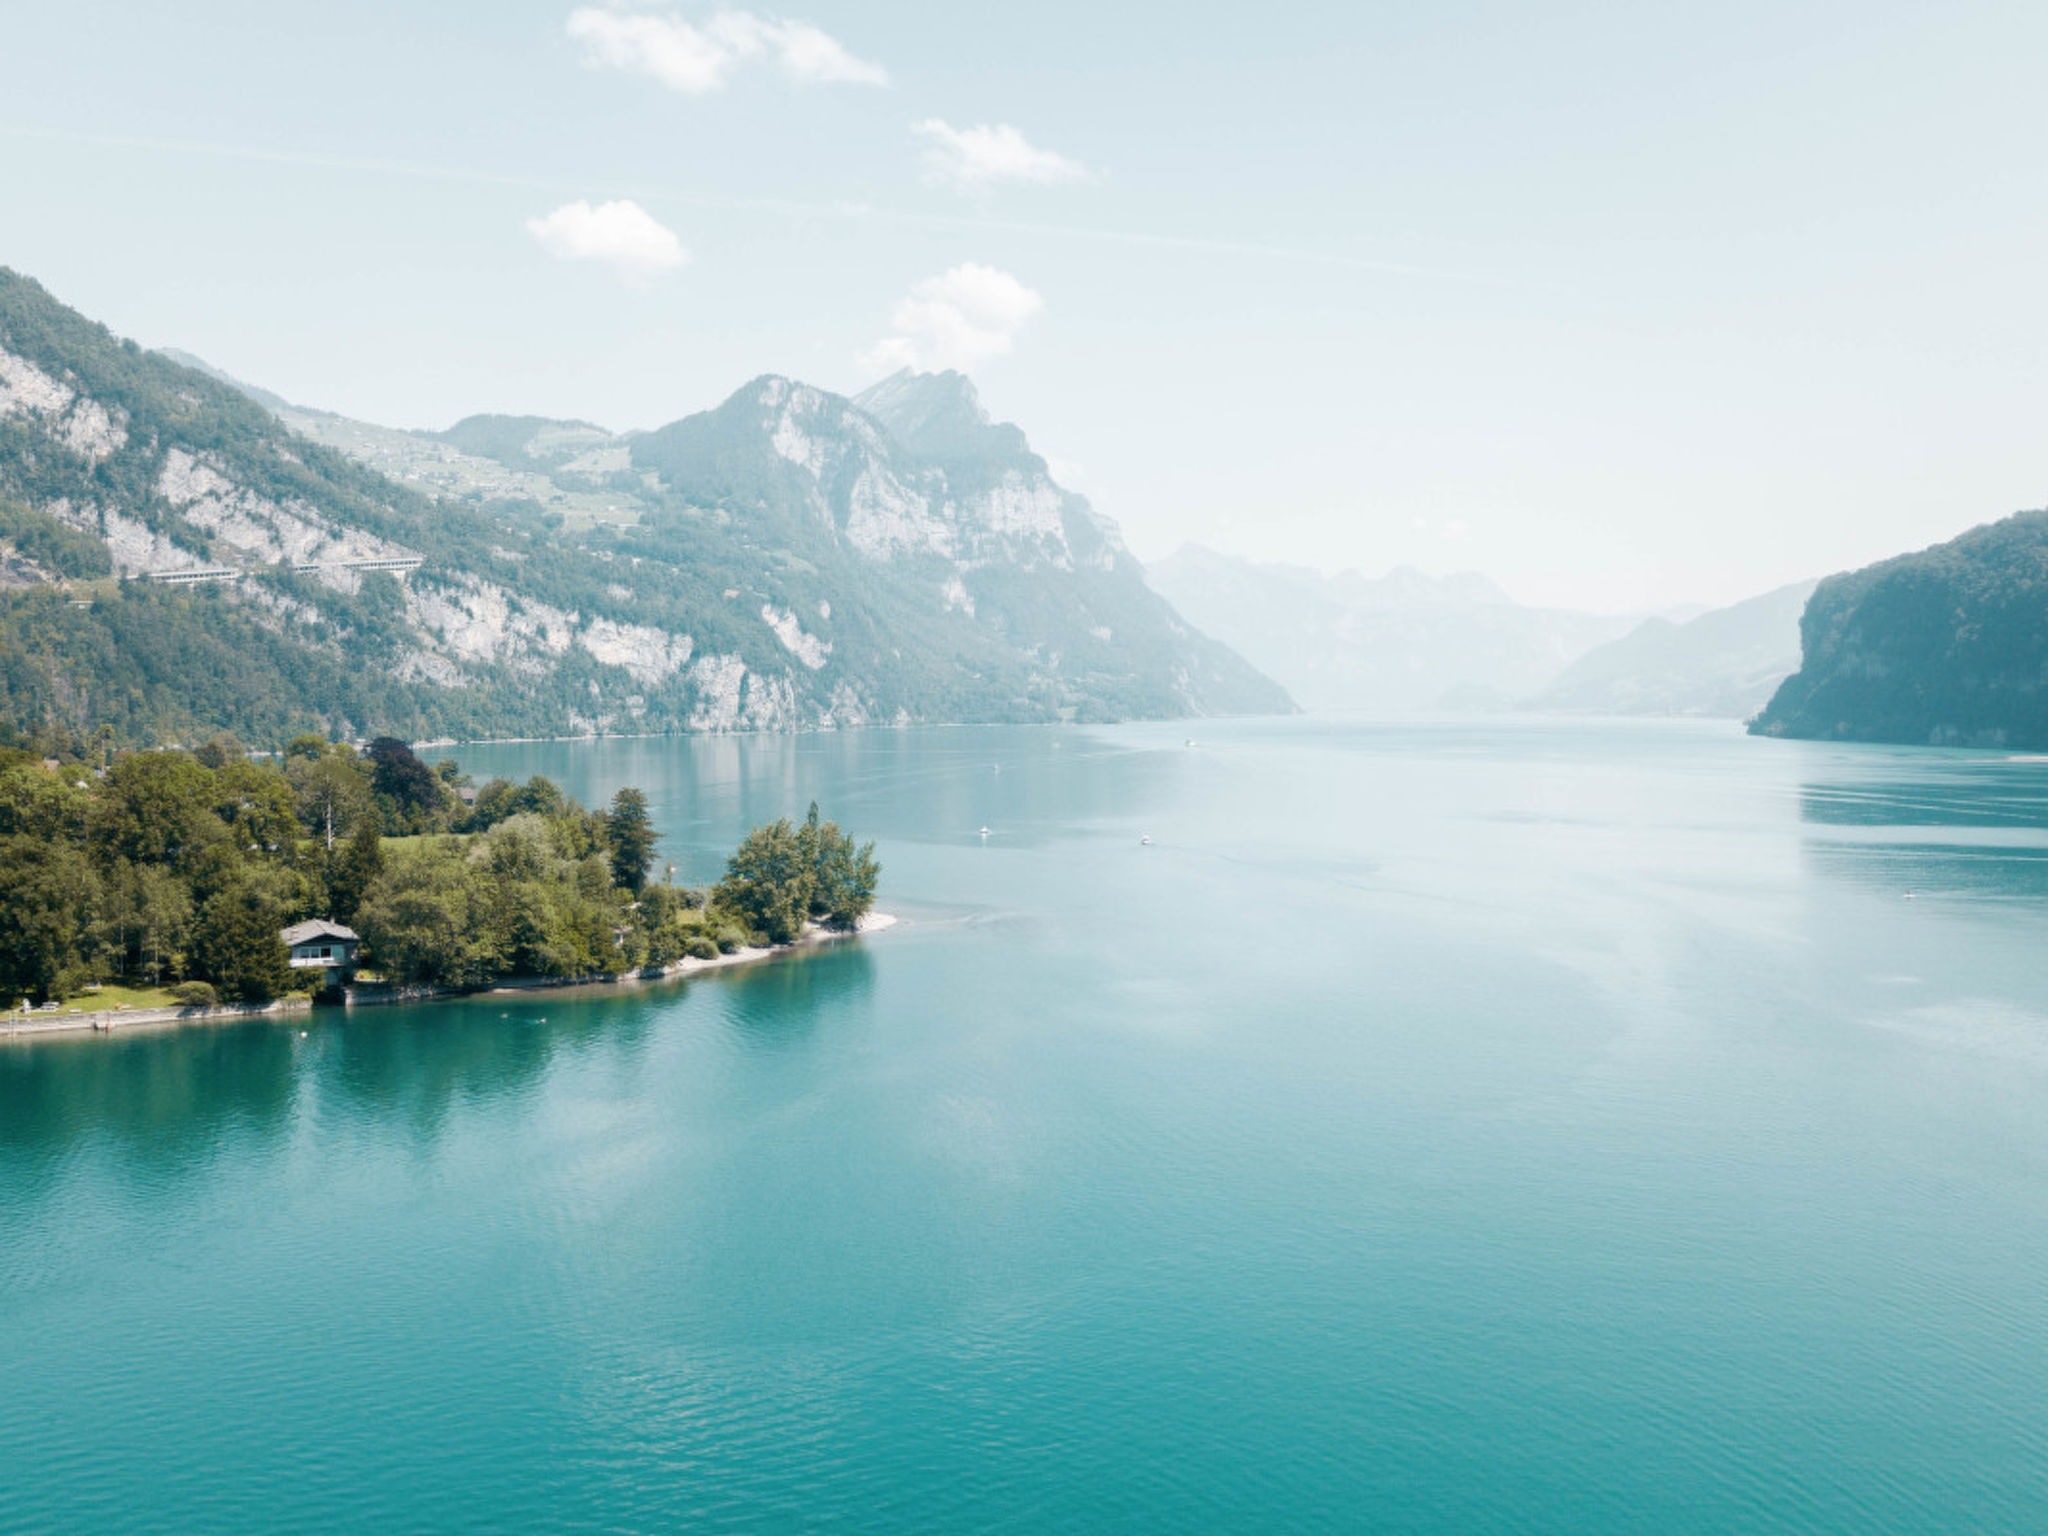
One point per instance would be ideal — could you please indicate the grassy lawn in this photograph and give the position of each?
(111, 996)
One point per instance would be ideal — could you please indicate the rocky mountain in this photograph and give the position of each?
(1947, 647)
(1398, 643)
(1725, 664)
(782, 562)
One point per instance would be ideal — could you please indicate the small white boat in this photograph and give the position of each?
(1144, 842)
(984, 831)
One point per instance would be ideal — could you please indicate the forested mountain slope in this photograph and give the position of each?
(1948, 646)
(780, 562)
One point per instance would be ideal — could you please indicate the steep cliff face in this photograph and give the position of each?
(954, 543)
(1947, 647)
(781, 562)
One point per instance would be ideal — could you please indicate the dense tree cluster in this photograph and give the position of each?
(180, 869)
(1946, 647)
(784, 876)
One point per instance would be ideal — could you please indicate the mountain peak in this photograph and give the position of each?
(907, 394)
(940, 416)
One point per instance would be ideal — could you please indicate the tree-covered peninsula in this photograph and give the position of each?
(172, 875)
(1947, 647)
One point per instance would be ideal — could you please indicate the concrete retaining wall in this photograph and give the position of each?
(108, 1020)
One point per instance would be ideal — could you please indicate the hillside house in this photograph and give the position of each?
(320, 944)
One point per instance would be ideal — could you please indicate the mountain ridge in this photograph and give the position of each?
(778, 562)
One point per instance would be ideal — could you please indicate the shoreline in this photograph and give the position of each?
(446, 743)
(31, 1026)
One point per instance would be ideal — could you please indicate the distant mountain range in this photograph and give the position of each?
(1395, 644)
(1724, 664)
(793, 559)
(1948, 646)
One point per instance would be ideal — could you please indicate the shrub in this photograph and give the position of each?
(701, 946)
(729, 939)
(195, 994)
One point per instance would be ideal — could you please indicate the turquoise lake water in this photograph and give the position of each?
(1525, 1127)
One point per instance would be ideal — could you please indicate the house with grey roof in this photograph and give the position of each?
(318, 943)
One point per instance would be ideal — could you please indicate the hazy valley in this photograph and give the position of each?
(1407, 643)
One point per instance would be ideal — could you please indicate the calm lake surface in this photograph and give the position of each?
(1527, 1127)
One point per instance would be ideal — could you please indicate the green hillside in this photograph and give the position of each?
(1948, 647)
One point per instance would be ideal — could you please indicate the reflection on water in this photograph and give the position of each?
(1025, 784)
(167, 1102)
(1366, 1149)
(1956, 825)
(409, 1067)
(1933, 870)
(778, 1005)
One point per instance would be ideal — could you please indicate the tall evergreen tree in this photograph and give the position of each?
(236, 944)
(631, 836)
(350, 875)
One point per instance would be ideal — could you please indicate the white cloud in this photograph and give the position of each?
(622, 235)
(977, 157)
(955, 320)
(700, 59)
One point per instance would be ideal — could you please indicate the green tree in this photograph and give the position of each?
(352, 874)
(236, 946)
(220, 749)
(48, 893)
(632, 837)
(421, 921)
(254, 802)
(35, 803)
(847, 879)
(330, 792)
(404, 786)
(843, 877)
(151, 918)
(158, 809)
(768, 882)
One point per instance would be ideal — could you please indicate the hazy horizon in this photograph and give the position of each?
(1622, 311)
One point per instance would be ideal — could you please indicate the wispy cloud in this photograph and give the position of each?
(970, 226)
(701, 59)
(961, 318)
(972, 158)
(621, 235)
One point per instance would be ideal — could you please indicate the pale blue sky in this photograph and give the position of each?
(1622, 304)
